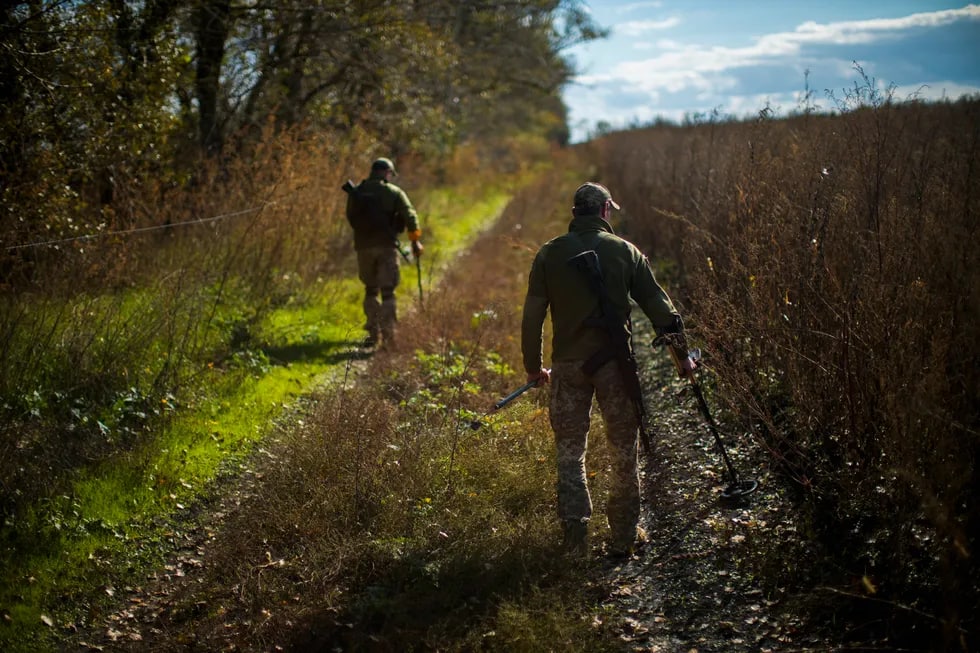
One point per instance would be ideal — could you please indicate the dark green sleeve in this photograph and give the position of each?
(650, 296)
(350, 209)
(406, 212)
(532, 321)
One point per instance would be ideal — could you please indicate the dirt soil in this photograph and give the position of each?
(693, 586)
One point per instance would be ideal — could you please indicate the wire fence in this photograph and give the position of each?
(139, 230)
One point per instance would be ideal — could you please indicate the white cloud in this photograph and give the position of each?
(699, 77)
(654, 4)
(938, 90)
(640, 27)
(690, 65)
(860, 31)
(826, 33)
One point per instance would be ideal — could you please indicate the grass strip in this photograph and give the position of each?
(119, 515)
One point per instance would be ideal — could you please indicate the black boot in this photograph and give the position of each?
(575, 537)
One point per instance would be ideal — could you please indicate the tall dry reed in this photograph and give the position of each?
(831, 271)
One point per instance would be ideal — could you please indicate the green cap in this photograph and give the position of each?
(591, 197)
(382, 164)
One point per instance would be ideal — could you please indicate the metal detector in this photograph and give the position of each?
(477, 423)
(737, 488)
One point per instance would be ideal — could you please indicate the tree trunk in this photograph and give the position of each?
(212, 32)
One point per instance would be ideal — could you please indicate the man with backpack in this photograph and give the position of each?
(586, 278)
(378, 211)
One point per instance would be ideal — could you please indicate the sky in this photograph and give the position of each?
(678, 59)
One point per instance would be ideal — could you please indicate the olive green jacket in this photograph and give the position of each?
(553, 283)
(378, 211)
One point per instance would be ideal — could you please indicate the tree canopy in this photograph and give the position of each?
(100, 93)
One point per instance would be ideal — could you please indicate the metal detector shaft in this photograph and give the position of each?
(514, 395)
(703, 405)
(733, 475)
(736, 488)
(418, 269)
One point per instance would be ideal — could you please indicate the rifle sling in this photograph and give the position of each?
(618, 348)
(597, 360)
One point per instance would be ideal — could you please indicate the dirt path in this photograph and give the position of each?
(692, 587)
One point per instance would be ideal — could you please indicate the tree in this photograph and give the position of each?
(95, 93)
(512, 65)
(211, 27)
(413, 73)
(87, 90)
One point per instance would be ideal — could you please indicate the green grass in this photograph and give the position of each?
(114, 518)
(114, 511)
(469, 216)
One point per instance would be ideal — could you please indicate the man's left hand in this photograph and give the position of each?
(417, 249)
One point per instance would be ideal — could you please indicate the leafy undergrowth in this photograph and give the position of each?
(124, 514)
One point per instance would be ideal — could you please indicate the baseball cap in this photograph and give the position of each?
(383, 164)
(592, 196)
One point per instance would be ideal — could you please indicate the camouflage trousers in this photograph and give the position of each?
(571, 407)
(377, 268)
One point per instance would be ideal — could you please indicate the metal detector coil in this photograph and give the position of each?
(739, 489)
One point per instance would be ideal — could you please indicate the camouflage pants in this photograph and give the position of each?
(571, 407)
(377, 268)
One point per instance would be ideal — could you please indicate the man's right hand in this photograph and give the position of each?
(540, 377)
(417, 249)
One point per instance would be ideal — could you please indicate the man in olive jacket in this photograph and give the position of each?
(577, 336)
(379, 211)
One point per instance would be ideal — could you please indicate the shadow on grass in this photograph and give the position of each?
(327, 352)
(417, 604)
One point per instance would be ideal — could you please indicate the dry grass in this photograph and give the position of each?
(97, 332)
(832, 274)
(384, 520)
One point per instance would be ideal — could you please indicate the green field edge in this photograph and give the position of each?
(123, 510)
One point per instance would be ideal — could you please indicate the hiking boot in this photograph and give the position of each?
(574, 539)
(625, 547)
(370, 340)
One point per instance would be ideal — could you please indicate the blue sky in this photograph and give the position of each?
(677, 58)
